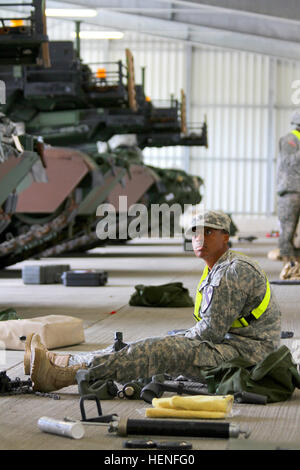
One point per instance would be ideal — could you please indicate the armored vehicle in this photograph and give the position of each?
(68, 104)
(21, 155)
(72, 113)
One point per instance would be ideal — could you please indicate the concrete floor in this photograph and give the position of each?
(141, 261)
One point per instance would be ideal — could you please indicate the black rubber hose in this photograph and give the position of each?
(177, 428)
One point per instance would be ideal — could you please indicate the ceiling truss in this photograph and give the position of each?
(259, 26)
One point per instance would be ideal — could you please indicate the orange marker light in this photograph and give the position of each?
(101, 73)
(16, 23)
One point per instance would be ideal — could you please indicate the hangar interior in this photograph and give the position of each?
(238, 64)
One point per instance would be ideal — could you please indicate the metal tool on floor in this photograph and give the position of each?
(20, 387)
(13, 387)
(286, 334)
(98, 419)
(103, 389)
(286, 282)
(132, 390)
(65, 428)
(150, 444)
(251, 398)
(156, 389)
(163, 427)
(118, 343)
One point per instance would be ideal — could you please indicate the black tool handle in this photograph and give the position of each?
(82, 408)
(150, 444)
(171, 445)
(247, 397)
(140, 444)
(286, 334)
(119, 344)
(177, 428)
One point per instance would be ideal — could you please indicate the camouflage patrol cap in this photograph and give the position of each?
(295, 120)
(213, 219)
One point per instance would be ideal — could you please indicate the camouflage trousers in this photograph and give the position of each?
(174, 355)
(288, 207)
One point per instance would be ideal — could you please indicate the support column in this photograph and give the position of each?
(188, 91)
(270, 203)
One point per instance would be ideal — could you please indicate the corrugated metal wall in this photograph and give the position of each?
(246, 97)
(232, 88)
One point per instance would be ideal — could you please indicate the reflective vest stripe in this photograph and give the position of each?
(199, 295)
(242, 321)
(296, 133)
(258, 311)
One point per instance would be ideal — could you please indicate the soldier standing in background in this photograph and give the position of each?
(288, 191)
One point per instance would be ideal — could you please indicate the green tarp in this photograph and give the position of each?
(276, 376)
(165, 295)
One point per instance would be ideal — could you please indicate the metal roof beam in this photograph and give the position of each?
(287, 9)
(254, 33)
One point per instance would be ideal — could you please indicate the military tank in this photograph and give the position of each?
(21, 163)
(61, 215)
(69, 105)
(21, 155)
(24, 40)
(73, 113)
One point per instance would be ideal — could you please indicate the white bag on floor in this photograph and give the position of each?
(55, 331)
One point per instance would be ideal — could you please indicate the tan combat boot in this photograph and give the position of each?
(290, 270)
(34, 341)
(48, 377)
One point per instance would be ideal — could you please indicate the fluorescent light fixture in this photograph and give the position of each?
(71, 12)
(99, 35)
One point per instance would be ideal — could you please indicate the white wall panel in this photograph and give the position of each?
(232, 88)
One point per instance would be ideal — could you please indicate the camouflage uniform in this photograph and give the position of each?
(239, 285)
(288, 190)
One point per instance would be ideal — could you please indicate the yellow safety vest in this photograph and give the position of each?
(242, 321)
(296, 133)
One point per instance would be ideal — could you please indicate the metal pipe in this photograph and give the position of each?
(162, 427)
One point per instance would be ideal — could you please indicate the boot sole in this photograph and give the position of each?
(27, 355)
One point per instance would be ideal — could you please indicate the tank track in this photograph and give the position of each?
(38, 238)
